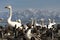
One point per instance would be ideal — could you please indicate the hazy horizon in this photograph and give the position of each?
(23, 4)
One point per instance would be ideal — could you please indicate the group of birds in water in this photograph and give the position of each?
(34, 24)
(18, 22)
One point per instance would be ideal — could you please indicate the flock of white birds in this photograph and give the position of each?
(19, 24)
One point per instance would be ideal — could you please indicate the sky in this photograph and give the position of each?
(22, 4)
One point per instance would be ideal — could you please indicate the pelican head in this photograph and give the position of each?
(42, 19)
(49, 20)
(18, 20)
(9, 7)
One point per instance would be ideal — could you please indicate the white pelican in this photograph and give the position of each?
(53, 21)
(29, 35)
(51, 24)
(34, 22)
(10, 22)
(42, 23)
(25, 26)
